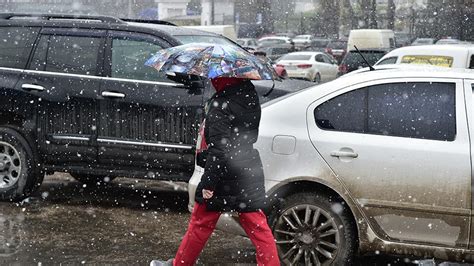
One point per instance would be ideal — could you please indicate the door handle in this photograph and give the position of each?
(344, 154)
(111, 94)
(32, 87)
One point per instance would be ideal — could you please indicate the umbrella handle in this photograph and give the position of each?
(270, 91)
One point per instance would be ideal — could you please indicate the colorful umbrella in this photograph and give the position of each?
(212, 61)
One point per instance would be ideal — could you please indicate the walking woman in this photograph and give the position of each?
(233, 175)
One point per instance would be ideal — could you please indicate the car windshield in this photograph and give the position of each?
(354, 58)
(301, 57)
(271, 41)
(185, 39)
(320, 43)
(302, 37)
(424, 41)
(337, 45)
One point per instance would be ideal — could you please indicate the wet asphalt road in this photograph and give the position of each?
(128, 222)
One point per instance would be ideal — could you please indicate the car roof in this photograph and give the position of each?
(164, 29)
(172, 30)
(306, 96)
(453, 50)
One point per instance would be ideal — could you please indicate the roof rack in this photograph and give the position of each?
(106, 19)
(151, 21)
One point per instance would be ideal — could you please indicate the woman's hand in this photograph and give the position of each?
(207, 194)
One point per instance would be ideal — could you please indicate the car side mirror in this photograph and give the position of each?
(194, 84)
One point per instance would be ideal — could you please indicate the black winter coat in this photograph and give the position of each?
(232, 167)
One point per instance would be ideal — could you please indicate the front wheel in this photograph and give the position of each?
(20, 174)
(314, 229)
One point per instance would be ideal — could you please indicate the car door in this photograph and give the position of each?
(64, 73)
(148, 123)
(331, 66)
(322, 67)
(401, 148)
(469, 92)
(15, 48)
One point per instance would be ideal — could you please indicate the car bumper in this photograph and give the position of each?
(299, 74)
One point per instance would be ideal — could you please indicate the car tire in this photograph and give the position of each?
(93, 180)
(20, 171)
(331, 239)
(317, 78)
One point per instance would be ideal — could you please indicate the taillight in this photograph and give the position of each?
(329, 50)
(343, 68)
(304, 66)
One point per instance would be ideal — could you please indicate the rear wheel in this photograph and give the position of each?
(314, 229)
(93, 180)
(20, 174)
(317, 78)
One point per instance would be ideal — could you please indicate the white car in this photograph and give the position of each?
(274, 41)
(303, 40)
(313, 66)
(378, 161)
(451, 56)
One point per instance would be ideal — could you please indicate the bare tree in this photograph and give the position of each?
(391, 14)
(330, 16)
(369, 12)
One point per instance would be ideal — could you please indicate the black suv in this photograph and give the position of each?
(76, 97)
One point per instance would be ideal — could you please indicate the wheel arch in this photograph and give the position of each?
(306, 184)
(21, 125)
(8, 118)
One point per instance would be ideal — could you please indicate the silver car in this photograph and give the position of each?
(377, 161)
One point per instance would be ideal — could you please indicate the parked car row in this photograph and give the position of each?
(76, 97)
(374, 161)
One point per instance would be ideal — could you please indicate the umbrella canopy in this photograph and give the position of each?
(212, 61)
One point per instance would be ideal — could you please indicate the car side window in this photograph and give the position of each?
(346, 112)
(327, 59)
(67, 54)
(388, 61)
(15, 45)
(129, 57)
(414, 110)
(471, 63)
(319, 58)
(392, 42)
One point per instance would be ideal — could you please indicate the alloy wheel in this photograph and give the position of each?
(10, 165)
(307, 234)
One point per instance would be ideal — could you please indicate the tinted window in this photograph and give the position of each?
(67, 54)
(388, 61)
(353, 60)
(319, 58)
(129, 57)
(15, 46)
(471, 63)
(415, 110)
(347, 112)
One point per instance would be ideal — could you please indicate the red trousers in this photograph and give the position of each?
(202, 225)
